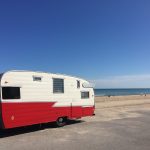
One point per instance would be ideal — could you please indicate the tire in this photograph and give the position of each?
(61, 121)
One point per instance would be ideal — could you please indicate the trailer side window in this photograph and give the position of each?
(35, 78)
(11, 92)
(58, 85)
(85, 95)
(78, 84)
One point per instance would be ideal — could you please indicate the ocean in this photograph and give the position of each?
(119, 92)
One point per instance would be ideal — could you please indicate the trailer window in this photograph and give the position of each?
(78, 84)
(85, 95)
(11, 92)
(37, 78)
(58, 85)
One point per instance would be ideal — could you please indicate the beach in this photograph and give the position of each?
(113, 101)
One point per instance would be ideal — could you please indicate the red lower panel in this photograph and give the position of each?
(22, 114)
(1, 121)
(88, 111)
(76, 112)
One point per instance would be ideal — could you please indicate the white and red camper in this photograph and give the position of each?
(28, 98)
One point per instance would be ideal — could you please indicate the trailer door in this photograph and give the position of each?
(76, 108)
(76, 105)
(76, 111)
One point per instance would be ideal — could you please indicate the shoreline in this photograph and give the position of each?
(122, 92)
(121, 95)
(122, 98)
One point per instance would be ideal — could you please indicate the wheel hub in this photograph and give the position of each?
(60, 120)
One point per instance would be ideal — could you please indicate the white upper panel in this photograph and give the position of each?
(33, 91)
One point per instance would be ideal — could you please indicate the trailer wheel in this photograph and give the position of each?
(61, 121)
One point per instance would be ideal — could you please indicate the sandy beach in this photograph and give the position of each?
(114, 101)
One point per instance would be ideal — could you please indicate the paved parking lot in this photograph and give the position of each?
(116, 128)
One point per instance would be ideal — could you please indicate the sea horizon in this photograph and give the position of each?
(120, 91)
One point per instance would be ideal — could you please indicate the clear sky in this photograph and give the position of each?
(105, 41)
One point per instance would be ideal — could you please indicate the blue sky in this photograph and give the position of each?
(105, 41)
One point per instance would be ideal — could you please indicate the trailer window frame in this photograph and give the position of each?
(37, 78)
(58, 85)
(13, 91)
(78, 84)
(85, 94)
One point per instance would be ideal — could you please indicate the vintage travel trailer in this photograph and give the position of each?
(28, 98)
